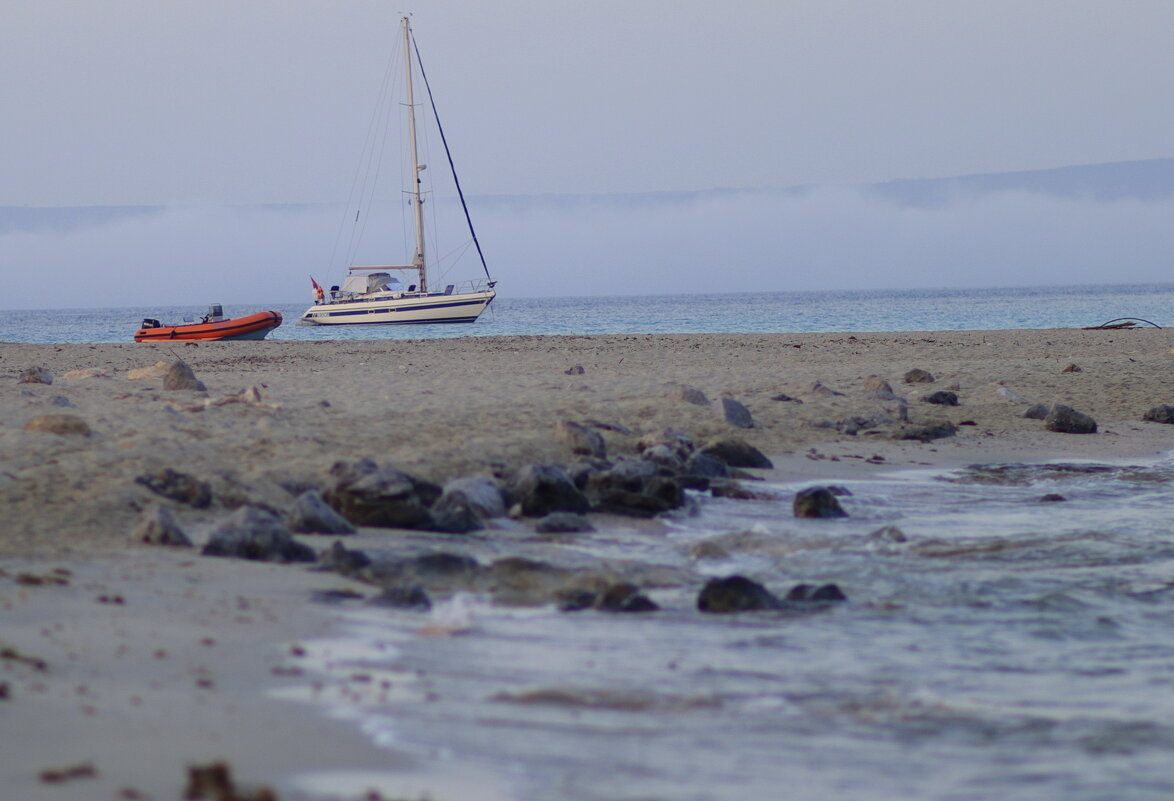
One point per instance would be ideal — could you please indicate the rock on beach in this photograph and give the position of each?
(255, 534)
(179, 376)
(818, 502)
(60, 424)
(1067, 420)
(158, 527)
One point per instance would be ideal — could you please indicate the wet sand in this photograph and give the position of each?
(156, 659)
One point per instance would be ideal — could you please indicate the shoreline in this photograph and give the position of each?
(440, 409)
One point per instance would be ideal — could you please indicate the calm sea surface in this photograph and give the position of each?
(786, 312)
(1002, 648)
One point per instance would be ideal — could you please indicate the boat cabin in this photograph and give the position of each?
(371, 282)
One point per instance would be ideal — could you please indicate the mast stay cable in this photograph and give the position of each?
(451, 166)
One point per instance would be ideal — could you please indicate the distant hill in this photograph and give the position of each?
(1152, 179)
(67, 218)
(1148, 180)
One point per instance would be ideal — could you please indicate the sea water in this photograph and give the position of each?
(995, 645)
(771, 312)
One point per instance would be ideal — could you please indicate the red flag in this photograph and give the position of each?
(315, 283)
(318, 293)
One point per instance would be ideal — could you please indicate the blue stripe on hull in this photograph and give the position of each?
(388, 316)
(404, 309)
(409, 322)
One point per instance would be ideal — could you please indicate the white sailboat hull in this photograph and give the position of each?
(404, 310)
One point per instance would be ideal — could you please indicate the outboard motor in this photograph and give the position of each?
(215, 313)
(149, 323)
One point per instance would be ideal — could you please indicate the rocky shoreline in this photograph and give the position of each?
(401, 473)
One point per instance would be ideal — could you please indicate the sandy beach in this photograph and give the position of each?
(127, 663)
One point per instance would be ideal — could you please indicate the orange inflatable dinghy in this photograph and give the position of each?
(212, 327)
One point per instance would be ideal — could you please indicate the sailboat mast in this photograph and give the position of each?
(417, 201)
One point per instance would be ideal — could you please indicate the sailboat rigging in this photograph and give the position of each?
(372, 294)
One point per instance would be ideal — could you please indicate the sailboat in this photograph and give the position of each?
(375, 294)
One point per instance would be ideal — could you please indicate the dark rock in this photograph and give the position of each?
(311, 514)
(157, 527)
(817, 502)
(665, 456)
(580, 472)
(785, 398)
(734, 413)
(252, 533)
(443, 565)
(344, 561)
(36, 375)
(563, 523)
(1160, 414)
(805, 593)
(662, 495)
(409, 596)
(581, 439)
(60, 424)
(179, 376)
(852, 424)
(694, 396)
(736, 453)
(453, 514)
(876, 388)
(1052, 497)
(926, 432)
(919, 376)
(634, 487)
(466, 503)
(576, 370)
(575, 599)
(735, 594)
(334, 597)
(1072, 368)
(178, 487)
(819, 389)
(692, 482)
(482, 494)
(439, 571)
(369, 495)
(518, 580)
(61, 400)
(707, 465)
(942, 397)
(1066, 420)
(541, 489)
(666, 489)
(632, 475)
(722, 488)
(680, 443)
(1037, 411)
(625, 597)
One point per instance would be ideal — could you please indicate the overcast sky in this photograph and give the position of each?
(141, 101)
(202, 106)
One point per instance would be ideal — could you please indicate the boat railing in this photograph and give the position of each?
(455, 288)
(464, 287)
